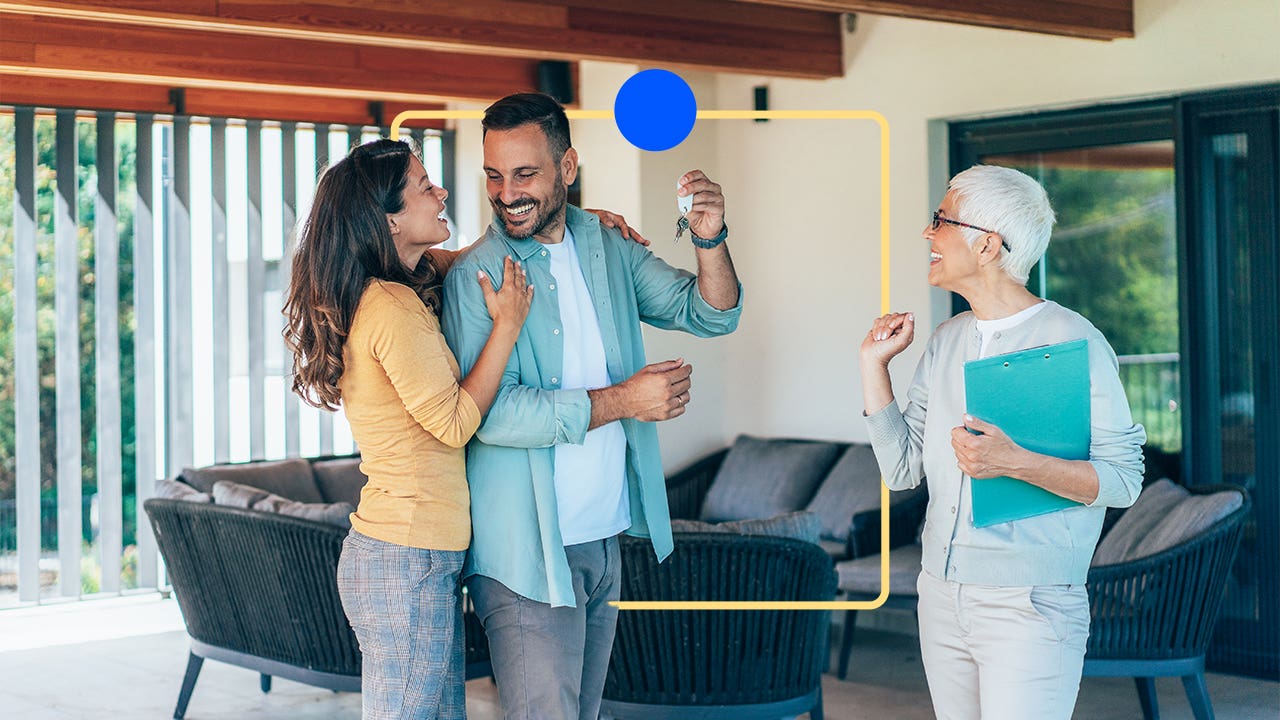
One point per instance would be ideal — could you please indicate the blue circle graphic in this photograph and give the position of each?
(655, 110)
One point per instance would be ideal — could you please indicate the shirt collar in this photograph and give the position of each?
(577, 221)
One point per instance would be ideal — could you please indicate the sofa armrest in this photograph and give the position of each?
(687, 488)
(904, 524)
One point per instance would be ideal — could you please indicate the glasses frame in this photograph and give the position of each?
(938, 220)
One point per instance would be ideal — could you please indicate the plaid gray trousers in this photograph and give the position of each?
(404, 605)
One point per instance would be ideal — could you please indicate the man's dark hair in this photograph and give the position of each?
(513, 111)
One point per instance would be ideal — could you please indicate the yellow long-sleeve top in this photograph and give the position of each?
(411, 421)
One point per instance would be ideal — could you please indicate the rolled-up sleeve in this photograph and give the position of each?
(669, 298)
(521, 415)
(1115, 444)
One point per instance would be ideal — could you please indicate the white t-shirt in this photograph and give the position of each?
(988, 328)
(591, 487)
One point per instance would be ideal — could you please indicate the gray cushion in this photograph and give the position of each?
(1155, 501)
(174, 490)
(245, 496)
(852, 486)
(233, 494)
(1164, 516)
(796, 525)
(338, 513)
(837, 549)
(763, 478)
(863, 574)
(1191, 517)
(340, 480)
(291, 478)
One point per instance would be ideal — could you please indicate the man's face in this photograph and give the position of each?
(527, 187)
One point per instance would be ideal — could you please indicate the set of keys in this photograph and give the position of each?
(684, 204)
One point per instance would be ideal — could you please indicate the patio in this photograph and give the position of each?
(124, 658)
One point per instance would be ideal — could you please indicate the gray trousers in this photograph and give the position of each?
(550, 663)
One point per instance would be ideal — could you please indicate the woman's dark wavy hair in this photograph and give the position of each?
(345, 243)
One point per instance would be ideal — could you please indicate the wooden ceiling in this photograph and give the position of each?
(289, 53)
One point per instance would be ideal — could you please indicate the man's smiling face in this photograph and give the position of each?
(527, 187)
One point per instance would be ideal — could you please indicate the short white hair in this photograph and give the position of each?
(1011, 204)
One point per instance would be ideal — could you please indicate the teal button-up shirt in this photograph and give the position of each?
(511, 462)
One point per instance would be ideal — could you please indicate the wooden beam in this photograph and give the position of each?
(205, 102)
(65, 48)
(1092, 19)
(717, 35)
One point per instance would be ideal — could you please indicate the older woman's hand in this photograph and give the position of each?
(889, 335)
(990, 454)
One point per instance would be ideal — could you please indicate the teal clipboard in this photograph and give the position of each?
(1040, 399)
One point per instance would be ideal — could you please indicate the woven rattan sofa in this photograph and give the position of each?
(838, 481)
(720, 664)
(258, 589)
(1156, 588)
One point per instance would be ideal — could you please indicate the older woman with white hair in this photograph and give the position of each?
(1003, 611)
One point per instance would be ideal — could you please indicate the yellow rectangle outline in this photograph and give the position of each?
(884, 308)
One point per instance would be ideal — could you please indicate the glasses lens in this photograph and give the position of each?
(937, 221)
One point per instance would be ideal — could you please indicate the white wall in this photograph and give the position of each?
(805, 197)
(802, 197)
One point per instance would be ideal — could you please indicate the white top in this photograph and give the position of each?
(988, 329)
(590, 479)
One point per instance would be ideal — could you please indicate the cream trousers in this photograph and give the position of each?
(1002, 653)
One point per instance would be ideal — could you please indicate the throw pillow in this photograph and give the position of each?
(763, 478)
(340, 480)
(338, 513)
(252, 498)
(234, 494)
(796, 525)
(851, 487)
(1188, 519)
(174, 490)
(291, 478)
(1137, 522)
(1165, 515)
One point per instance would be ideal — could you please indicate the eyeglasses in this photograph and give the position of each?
(938, 220)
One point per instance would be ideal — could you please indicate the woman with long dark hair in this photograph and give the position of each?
(362, 324)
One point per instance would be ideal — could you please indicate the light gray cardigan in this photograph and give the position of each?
(915, 442)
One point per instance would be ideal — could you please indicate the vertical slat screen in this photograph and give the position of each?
(322, 162)
(288, 218)
(144, 348)
(26, 359)
(67, 363)
(183, 297)
(221, 345)
(107, 358)
(256, 285)
(179, 438)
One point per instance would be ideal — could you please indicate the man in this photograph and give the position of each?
(567, 457)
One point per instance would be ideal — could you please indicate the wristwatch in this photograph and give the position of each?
(708, 243)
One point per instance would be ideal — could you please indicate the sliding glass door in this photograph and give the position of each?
(1167, 242)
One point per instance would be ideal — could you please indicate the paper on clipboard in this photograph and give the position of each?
(1040, 399)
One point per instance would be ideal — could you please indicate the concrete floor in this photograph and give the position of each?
(125, 659)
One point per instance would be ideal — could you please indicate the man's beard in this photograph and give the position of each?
(544, 215)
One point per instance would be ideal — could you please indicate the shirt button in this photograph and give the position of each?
(552, 286)
(556, 331)
(953, 568)
(555, 381)
(996, 335)
(953, 509)
(544, 253)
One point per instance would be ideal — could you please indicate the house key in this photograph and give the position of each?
(685, 204)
